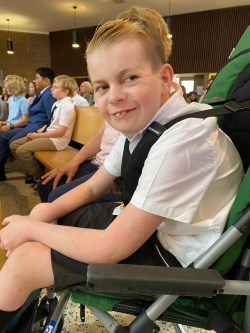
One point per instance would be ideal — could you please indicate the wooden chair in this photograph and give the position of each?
(88, 122)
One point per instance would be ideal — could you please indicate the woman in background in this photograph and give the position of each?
(31, 92)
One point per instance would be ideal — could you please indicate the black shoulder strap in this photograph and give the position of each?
(132, 164)
(227, 108)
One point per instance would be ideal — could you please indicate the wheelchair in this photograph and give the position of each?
(212, 293)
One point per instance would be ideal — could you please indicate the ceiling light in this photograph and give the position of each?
(169, 20)
(10, 48)
(75, 41)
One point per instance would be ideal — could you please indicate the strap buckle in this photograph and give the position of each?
(233, 106)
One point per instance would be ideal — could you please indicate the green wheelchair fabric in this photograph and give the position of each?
(185, 306)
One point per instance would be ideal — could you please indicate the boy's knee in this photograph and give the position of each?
(13, 146)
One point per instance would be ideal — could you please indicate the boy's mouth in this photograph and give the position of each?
(122, 113)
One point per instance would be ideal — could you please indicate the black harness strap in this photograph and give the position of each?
(132, 164)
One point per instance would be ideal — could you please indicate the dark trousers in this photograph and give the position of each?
(84, 172)
(16, 133)
(68, 272)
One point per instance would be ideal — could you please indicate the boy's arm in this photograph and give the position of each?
(89, 191)
(89, 150)
(20, 122)
(123, 237)
(57, 133)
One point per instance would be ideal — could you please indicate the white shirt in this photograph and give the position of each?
(64, 115)
(190, 178)
(78, 100)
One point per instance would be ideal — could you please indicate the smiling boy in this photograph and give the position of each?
(185, 188)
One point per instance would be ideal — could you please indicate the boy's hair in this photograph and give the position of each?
(143, 23)
(16, 84)
(66, 82)
(46, 72)
(154, 20)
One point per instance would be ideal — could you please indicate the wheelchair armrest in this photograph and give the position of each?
(148, 280)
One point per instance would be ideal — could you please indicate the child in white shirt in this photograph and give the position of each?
(54, 136)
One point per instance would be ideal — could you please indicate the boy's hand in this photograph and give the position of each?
(15, 232)
(5, 128)
(68, 170)
(32, 136)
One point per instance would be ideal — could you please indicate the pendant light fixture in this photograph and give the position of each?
(10, 48)
(169, 21)
(75, 42)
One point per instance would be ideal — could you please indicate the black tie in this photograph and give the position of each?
(52, 113)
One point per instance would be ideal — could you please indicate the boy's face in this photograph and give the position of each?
(41, 82)
(127, 91)
(12, 91)
(58, 92)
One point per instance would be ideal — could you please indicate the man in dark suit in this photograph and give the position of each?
(39, 115)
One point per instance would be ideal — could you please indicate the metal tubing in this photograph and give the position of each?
(159, 306)
(57, 314)
(218, 248)
(112, 325)
(234, 287)
(178, 328)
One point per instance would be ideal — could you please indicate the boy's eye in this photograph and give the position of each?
(130, 78)
(101, 88)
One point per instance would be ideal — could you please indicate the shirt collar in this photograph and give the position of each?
(174, 107)
(17, 97)
(62, 101)
(44, 89)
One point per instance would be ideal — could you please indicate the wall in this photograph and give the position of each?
(31, 51)
(64, 58)
(201, 42)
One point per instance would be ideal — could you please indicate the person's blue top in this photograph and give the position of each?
(18, 106)
(40, 109)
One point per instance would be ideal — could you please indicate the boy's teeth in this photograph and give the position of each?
(120, 114)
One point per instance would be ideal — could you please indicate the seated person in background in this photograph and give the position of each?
(77, 99)
(81, 167)
(18, 105)
(54, 136)
(32, 93)
(181, 200)
(18, 113)
(4, 110)
(86, 91)
(39, 115)
(192, 97)
(5, 95)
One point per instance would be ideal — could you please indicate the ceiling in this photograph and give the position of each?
(45, 16)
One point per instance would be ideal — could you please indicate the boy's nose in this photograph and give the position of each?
(116, 94)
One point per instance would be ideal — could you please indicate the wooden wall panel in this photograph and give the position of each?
(64, 58)
(203, 41)
(31, 51)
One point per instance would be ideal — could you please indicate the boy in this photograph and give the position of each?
(18, 104)
(39, 115)
(184, 193)
(54, 136)
(18, 111)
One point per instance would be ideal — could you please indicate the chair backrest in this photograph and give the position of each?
(241, 202)
(92, 120)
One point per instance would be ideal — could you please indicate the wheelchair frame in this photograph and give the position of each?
(145, 322)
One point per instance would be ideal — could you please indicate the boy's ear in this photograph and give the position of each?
(167, 75)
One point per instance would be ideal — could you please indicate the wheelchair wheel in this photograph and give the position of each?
(43, 314)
